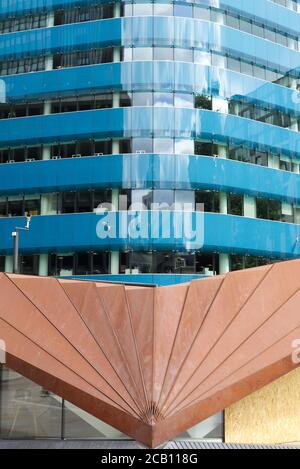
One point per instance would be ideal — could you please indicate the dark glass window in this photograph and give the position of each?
(103, 147)
(16, 207)
(184, 263)
(203, 148)
(235, 204)
(2, 269)
(84, 202)
(100, 197)
(164, 263)
(32, 206)
(210, 200)
(100, 262)
(29, 265)
(62, 264)
(3, 207)
(140, 262)
(268, 209)
(82, 263)
(207, 263)
(125, 146)
(68, 202)
(236, 262)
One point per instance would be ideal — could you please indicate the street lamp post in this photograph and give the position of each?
(15, 235)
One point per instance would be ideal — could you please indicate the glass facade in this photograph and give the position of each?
(153, 106)
(28, 411)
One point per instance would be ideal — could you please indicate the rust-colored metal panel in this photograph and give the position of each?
(149, 361)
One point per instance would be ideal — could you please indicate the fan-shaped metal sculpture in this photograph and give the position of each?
(153, 362)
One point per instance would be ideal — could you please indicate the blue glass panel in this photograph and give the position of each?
(147, 171)
(79, 232)
(262, 10)
(146, 31)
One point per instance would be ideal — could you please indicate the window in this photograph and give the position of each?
(68, 202)
(208, 200)
(183, 55)
(207, 264)
(163, 99)
(27, 410)
(139, 263)
(61, 264)
(100, 262)
(15, 206)
(184, 146)
(183, 10)
(184, 100)
(142, 99)
(203, 102)
(287, 211)
(125, 199)
(184, 263)
(236, 262)
(103, 147)
(202, 13)
(125, 146)
(143, 9)
(163, 263)
(185, 200)
(29, 265)
(204, 148)
(32, 205)
(82, 263)
(163, 199)
(84, 201)
(233, 64)
(142, 53)
(2, 261)
(235, 205)
(163, 53)
(141, 199)
(162, 9)
(268, 209)
(100, 197)
(163, 145)
(142, 145)
(125, 99)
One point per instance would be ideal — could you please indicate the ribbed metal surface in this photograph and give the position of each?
(127, 445)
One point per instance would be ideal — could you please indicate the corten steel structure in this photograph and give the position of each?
(153, 362)
(161, 102)
(120, 102)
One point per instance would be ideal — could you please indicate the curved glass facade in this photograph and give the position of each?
(110, 109)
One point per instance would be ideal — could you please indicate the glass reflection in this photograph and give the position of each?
(184, 146)
(185, 200)
(163, 53)
(163, 99)
(141, 199)
(163, 145)
(27, 410)
(142, 145)
(79, 424)
(211, 429)
(184, 100)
